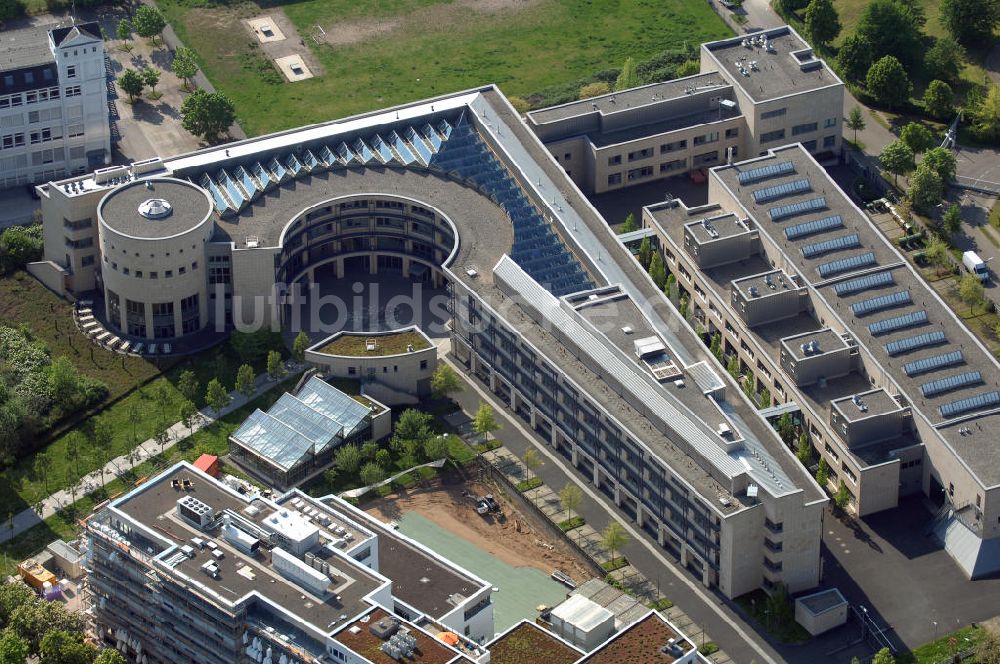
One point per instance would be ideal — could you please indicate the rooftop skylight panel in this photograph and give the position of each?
(864, 283)
(913, 343)
(781, 190)
(871, 305)
(950, 383)
(765, 172)
(972, 403)
(815, 226)
(836, 244)
(846, 264)
(933, 363)
(792, 209)
(888, 325)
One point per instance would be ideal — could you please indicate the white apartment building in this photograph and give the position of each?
(54, 119)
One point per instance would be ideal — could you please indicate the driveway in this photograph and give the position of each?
(909, 583)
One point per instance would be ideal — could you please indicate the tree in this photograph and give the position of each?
(822, 22)
(436, 447)
(682, 306)
(936, 253)
(348, 459)
(275, 367)
(188, 385)
(628, 78)
(657, 271)
(952, 219)
(939, 99)
(945, 60)
(842, 497)
(671, 288)
(132, 83)
(614, 537)
(786, 428)
(970, 21)
(445, 381)
(187, 412)
(970, 289)
(986, 116)
(733, 367)
(368, 450)
(413, 429)
(897, 158)
(103, 439)
(62, 647)
(883, 656)
(520, 104)
(13, 595)
(20, 245)
(299, 346)
(123, 32)
(216, 396)
(10, 9)
(485, 421)
(184, 65)
(532, 460)
(893, 29)
(926, 188)
(151, 77)
(856, 121)
(855, 57)
(371, 473)
(110, 656)
(570, 498)
(918, 137)
(629, 225)
(595, 89)
(383, 458)
(942, 161)
(162, 436)
(246, 381)
(33, 620)
(13, 649)
(207, 114)
(803, 451)
(149, 22)
(823, 473)
(887, 81)
(645, 253)
(716, 345)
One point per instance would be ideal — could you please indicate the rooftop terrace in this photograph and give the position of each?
(359, 637)
(353, 344)
(642, 643)
(527, 642)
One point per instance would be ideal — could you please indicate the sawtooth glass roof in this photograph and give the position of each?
(295, 427)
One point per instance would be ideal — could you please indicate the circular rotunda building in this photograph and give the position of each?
(152, 235)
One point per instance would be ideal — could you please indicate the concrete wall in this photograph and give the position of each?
(72, 218)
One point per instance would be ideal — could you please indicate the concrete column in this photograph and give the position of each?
(684, 554)
(597, 476)
(573, 452)
(661, 536)
(493, 381)
(372, 264)
(706, 576)
(406, 266)
(338, 268)
(640, 518)
(533, 418)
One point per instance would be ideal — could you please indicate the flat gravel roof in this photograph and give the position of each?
(189, 203)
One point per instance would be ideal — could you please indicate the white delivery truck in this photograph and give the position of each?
(976, 265)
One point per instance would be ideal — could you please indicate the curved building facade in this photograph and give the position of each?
(152, 236)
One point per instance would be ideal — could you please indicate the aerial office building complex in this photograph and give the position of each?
(185, 568)
(822, 311)
(53, 103)
(548, 309)
(754, 93)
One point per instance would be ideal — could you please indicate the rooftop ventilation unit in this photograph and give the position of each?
(384, 627)
(240, 539)
(296, 570)
(195, 511)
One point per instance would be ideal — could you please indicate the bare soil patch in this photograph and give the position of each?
(292, 44)
(514, 539)
(437, 18)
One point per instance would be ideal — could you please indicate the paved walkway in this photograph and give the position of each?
(704, 607)
(146, 450)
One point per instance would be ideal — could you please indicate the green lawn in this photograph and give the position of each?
(944, 648)
(436, 47)
(213, 439)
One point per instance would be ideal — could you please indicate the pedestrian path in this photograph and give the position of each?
(177, 432)
(589, 540)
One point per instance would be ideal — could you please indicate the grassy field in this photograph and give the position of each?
(355, 345)
(422, 48)
(213, 439)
